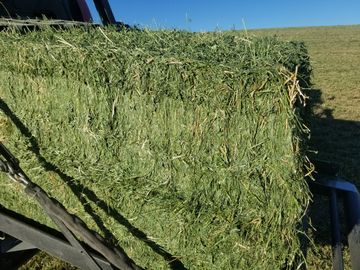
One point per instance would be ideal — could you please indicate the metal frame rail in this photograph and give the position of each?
(328, 183)
(105, 11)
(22, 236)
(19, 235)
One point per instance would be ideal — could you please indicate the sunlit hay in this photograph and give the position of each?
(195, 139)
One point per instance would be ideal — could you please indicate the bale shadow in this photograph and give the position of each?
(79, 190)
(336, 141)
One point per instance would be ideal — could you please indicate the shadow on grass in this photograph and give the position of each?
(80, 190)
(336, 141)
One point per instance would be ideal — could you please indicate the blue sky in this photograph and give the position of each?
(208, 15)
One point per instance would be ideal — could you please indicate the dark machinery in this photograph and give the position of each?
(339, 191)
(63, 10)
(19, 235)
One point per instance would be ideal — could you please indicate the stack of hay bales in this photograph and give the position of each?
(186, 146)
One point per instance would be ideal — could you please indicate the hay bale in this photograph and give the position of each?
(179, 145)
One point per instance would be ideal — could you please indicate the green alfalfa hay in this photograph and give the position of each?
(193, 138)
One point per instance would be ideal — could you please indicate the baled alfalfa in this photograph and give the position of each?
(178, 145)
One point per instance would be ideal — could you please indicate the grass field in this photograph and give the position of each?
(335, 57)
